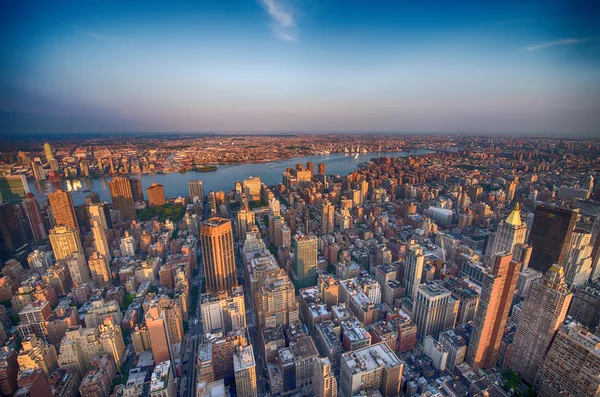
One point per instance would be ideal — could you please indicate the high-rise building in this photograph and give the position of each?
(321, 168)
(434, 308)
(34, 215)
(578, 263)
(499, 285)
(111, 340)
(137, 191)
(13, 188)
(550, 236)
(9, 369)
(11, 238)
(156, 194)
(158, 332)
(511, 189)
(545, 309)
(65, 242)
(275, 301)
(37, 354)
(99, 377)
(304, 269)
(226, 312)
(511, 232)
(100, 212)
(585, 308)
(196, 190)
(375, 366)
(48, 152)
(63, 210)
(216, 240)
(100, 240)
(244, 368)
(99, 270)
(572, 364)
(38, 171)
(415, 261)
(327, 218)
(245, 220)
(122, 197)
(324, 382)
(78, 268)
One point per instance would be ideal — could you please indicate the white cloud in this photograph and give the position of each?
(547, 44)
(283, 24)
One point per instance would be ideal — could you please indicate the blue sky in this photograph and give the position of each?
(306, 65)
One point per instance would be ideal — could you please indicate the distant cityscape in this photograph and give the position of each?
(436, 266)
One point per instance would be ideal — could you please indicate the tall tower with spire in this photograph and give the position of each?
(511, 232)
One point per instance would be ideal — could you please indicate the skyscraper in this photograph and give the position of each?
(137, 191)
(156, 194)
(544, 311)
(37, 171)
(499, 284)
(304, 269)
(100, 241)
(327, 217)
(216, 240)
(63, 210)
(196, 190)
(65, 241)
(414, 268)
(550, 236)
(321, 168)
(11, 238)
(100, 212)
(48, 152)
(434, 308)
(244, 369)
(572, 364)
(99, 270)
(13, 188)
(510, 233)
(122, 197)
(158, 331)
(34, 215)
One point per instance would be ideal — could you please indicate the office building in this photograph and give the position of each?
(158, 332)
(544, 311)
(35, 218)
(550, 236)
(578, 263)
(196, 190)
(100, 212)
(327, 218)
(499, 285)
(100, 240)
(137, 191)
(216, 240)
(63, 210)
(585, 308)
(226, 311)
(572, 364)
(156, 194)
(414, 261)
(304, 268)
(13, 188)
(48, 152)
(275, 301)
(511, 232)
(434, 308)
(375, 366)
(122, 197)
(11, 238)
(244, 369)
(324, 381)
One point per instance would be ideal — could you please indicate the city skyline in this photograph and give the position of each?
(278, 66)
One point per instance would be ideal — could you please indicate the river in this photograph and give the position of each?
(224, 178)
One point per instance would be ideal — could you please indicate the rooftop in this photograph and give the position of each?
(371, 357)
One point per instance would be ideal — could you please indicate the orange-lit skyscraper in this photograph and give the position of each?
(216, 240)
(156, 194)
(122, 198)
(34, 215)
(63, 210)
(158, 331)
(499, 284)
